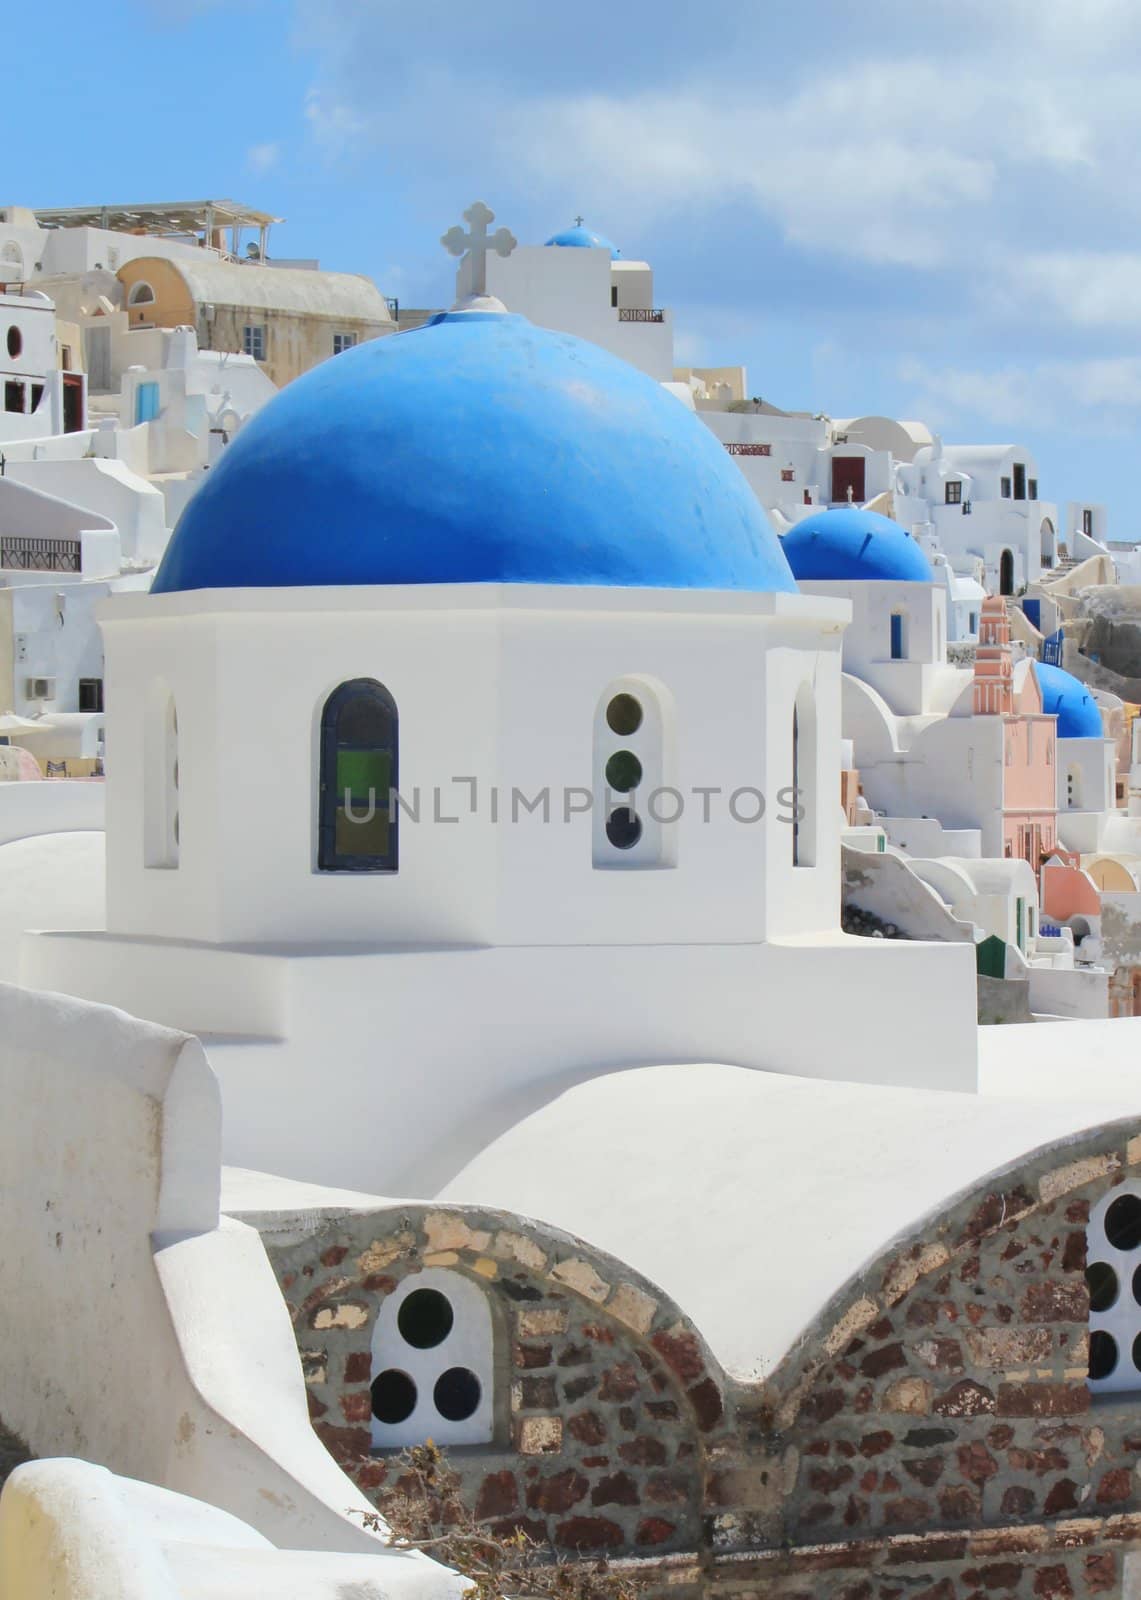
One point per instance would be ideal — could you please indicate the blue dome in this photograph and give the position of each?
(850, 543)
(477, 449)
(580, 238)
(1068, 699)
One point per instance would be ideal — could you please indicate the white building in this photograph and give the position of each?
(541, 623)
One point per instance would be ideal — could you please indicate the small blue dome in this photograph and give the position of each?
(1068, 699)
(580, 238)
(850, 543)
(477, 449)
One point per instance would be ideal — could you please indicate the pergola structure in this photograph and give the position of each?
(202, 219)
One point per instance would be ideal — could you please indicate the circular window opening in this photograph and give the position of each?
(624, 828)
(1103, 1286)
(1123, 1222)
(623, 771)
(15, 342)
(1137, 1286)
(393, 1396)
(624, 715)
(1102, 1354)
(457, 1394)
(425, 1319)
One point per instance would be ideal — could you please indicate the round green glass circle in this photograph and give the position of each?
(623, 772)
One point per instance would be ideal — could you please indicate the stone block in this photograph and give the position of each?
(582, 1278)
(540, 1322)
(633, 1307)
(539, 1436)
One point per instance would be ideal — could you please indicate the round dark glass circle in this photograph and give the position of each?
(393, 1396)
(457, 1394)
(1103, 1285)
(623, 828)
(425, 1319)
(623, 771)
(1137, 1285)
(1102, 1354)
(624, 715)
(15, 342)
(1123, 1222)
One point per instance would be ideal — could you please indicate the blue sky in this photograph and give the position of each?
(925, 210)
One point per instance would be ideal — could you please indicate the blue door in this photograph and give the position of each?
(146, 402)
(896, 636)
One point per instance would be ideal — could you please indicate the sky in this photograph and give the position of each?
(922, 210)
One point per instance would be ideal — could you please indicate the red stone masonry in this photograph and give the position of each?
(930, 1437)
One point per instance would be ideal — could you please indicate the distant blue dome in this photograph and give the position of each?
(580, 238)
(1068, 699)
(850, 543)
(477, 449)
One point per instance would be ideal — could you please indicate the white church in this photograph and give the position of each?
(472, 1050)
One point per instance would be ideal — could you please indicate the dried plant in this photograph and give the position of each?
(422, 1509)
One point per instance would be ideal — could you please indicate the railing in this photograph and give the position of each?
(23, 554)
(749, 449)
(636, 314)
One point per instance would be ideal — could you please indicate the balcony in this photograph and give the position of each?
(639, 314)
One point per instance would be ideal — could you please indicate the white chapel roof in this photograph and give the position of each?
(749, 1197)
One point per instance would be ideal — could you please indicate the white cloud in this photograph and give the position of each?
(1098, 396)
(263, 157)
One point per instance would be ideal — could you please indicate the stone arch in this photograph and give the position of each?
(608, 1399)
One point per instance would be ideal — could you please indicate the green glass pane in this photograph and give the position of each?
(358, 771)
(624, 715)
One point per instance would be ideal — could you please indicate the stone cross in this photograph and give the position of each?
(477, 242)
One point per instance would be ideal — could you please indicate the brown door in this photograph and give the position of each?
(73, 418)
(848, 473)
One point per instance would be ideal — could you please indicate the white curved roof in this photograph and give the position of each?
(336, 296)
(750, 1197)
(53, 880)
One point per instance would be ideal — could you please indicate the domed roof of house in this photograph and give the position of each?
(583, 238)
(850, 543)
(477, 449)
(1068, 699)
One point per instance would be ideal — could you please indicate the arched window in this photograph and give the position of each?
(1074, 787)
(1006, 573)
(433, 1374)
(357, 829)
(898, 636)
(636, 808)
(161, 802)
(804, 778)
(1113, 1276)
(141, 294)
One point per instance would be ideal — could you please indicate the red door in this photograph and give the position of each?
(848, 474)
(74, 420)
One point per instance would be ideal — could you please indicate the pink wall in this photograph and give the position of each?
(1069, 892)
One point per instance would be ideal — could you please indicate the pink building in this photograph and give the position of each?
(1029, 744)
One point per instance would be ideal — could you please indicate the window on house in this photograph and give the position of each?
(343, 342)
(1032, 488)
(1087, 523)
(635, 812)
(91, 694)
(37, 395)
(788, 475)
(973, 622)
(253, 340)
(898, 636)
(1113, 1277)
(1019, 480)
(14, 394)
(15, 342)
(954, 492)
(141, 295)
(1004, 488)
(614, 294)
(433, 1371)
(357, 822)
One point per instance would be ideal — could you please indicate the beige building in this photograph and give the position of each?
(287, 318)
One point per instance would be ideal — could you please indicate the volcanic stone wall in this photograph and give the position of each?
(930, 1437)
(604, 1396)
